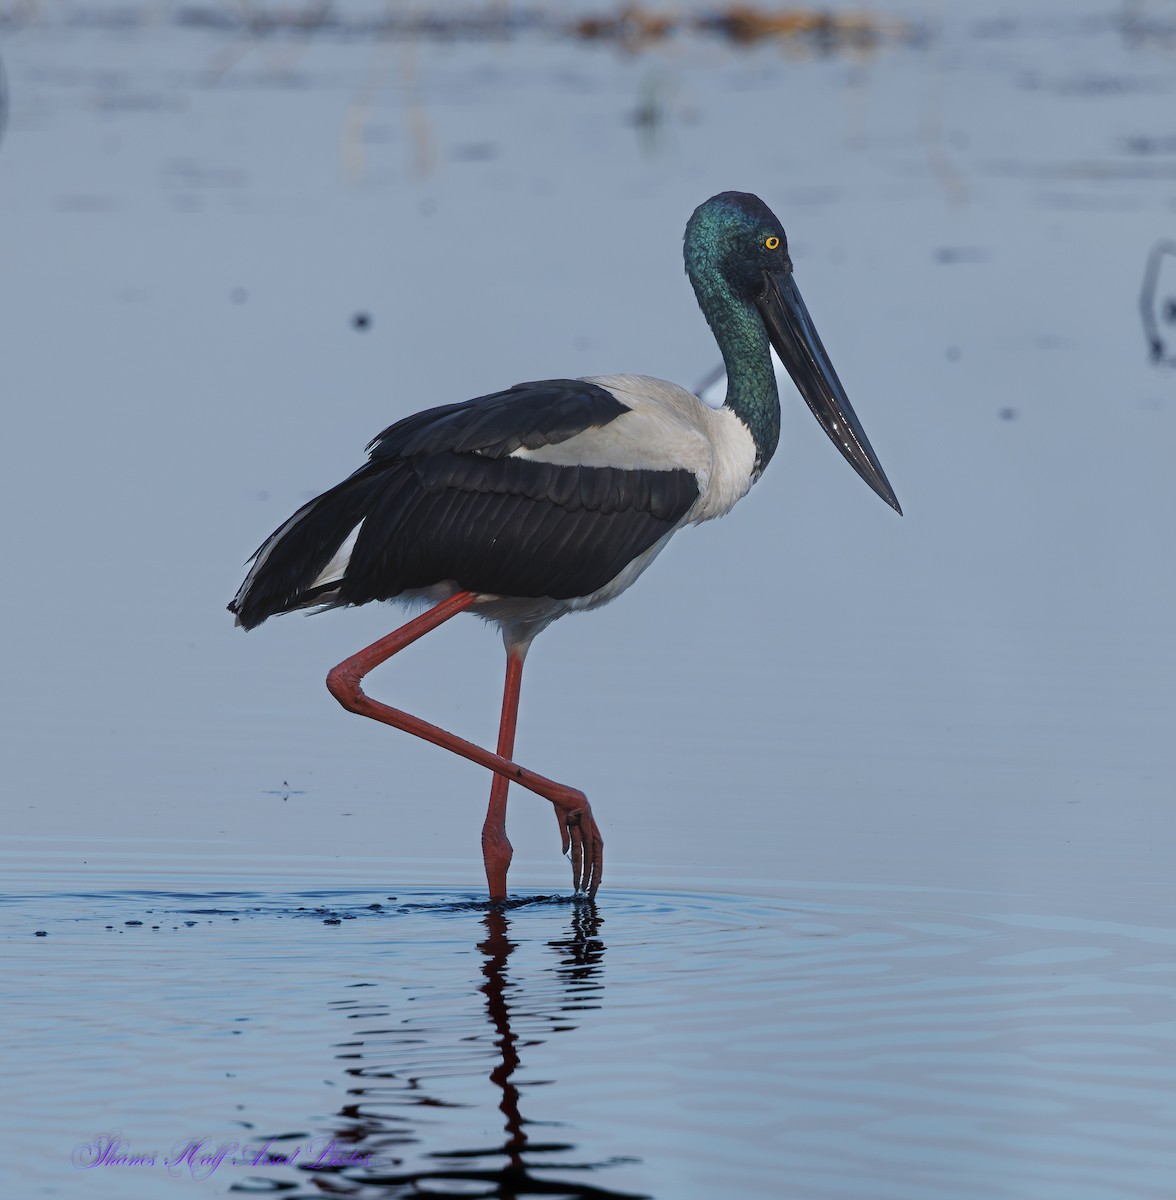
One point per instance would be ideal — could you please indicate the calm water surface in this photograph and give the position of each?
(844, 1042)
(888, 909)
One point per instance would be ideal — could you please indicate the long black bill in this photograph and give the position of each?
(791, 329)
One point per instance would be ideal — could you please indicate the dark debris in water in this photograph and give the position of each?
(950, 255)
(335, 916)
(330, 908)
(1149, 144)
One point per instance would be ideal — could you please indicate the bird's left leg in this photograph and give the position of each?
(496, 847)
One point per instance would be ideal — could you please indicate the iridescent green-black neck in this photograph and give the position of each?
(727, 251)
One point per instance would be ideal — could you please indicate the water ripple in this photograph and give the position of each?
(662, 1044)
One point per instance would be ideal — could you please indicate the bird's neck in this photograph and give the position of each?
(751, 379)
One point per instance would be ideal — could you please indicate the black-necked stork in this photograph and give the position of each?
(554, 496)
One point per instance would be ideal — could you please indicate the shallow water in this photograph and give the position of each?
(888, 908)
(844, 1042)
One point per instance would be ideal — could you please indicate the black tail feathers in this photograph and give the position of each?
(290, 561)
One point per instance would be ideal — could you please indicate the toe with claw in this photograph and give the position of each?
(580, 837)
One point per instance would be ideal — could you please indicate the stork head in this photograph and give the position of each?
(737, 258)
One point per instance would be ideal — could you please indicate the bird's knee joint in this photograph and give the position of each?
(495, 841)
(343, 684)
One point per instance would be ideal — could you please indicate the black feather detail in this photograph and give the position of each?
(527, 415)
(440, 499)
(511, 527)
(295, 560)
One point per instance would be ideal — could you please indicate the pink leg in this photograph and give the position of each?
(496, 848)
(577, 825)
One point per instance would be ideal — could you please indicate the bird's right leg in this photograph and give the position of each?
(577, 825)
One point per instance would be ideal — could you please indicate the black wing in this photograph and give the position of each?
(527, 415)
(441, 499)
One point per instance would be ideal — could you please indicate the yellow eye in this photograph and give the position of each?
(772, 243)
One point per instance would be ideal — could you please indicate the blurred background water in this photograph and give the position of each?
(888, 905)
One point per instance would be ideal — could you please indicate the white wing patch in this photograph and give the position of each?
(668, 428)
(663, 431)
(334, 571)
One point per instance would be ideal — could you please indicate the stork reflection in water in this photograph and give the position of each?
(520, 1012)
